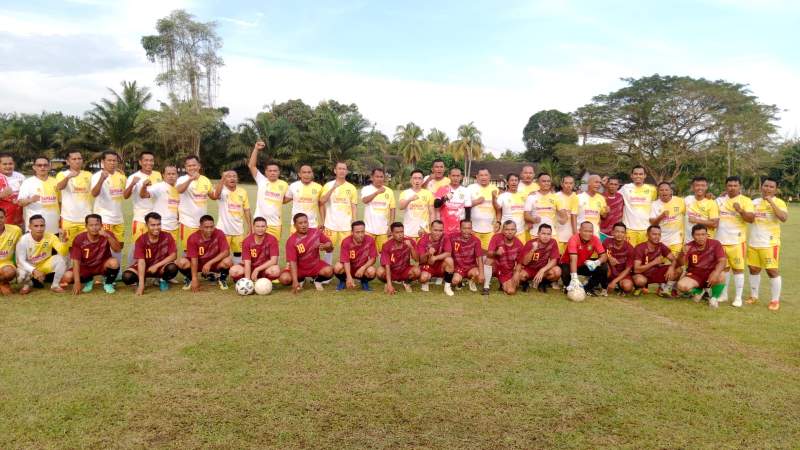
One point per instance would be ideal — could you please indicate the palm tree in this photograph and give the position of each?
(438, 140)
(280, 137)
(410, 142)
(468, 145)
(339, 136)
(116, 121)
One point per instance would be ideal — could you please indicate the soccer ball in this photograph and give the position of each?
(263, 286)
(244, 286)
(577, 294)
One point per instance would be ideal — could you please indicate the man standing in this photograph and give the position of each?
(620, 260)
(566, 219)
(451, 202)
(75, 185)
(654, 262)
(468, 259)
(207, 254)
(614, 203)
(40, 257)
(436, 180)
(396, 256)
(418, 206)
(540, 206)
(504, 250)
(259, 254)
(668, 213)
(108, 188)
(357, 258)
(194, 190)
(700, 209)
(141, 205)
(379, 208)
(38, 195)
(638, 198)
(9, 236)
(735, 212)
(511, 206)
(155, 253)
(592, 205)
(91, 256)
(482, 195)
(233, 213)
(10, 182)
(527, 184)
(337, 207)
(764, 242)
(165, 198)
(538, 260)
(705, 260)
(577, 261)
(304, 195)
(302, 255)
(434, 258)
(271, 192)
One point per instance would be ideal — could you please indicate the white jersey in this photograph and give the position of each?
(232, 206)
(76, 197)
(269, 199)
(638, 201)
(512, 207)
(14, 181)
(47, 206)
(376, 212)
(109, 203)
(165, 202)
(305, 199)
(482, 215)
(339, 207)
(194, 200)
(141, 206)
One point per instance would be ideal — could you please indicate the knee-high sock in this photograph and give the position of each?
(111, 275)
(727, 283)
(755, 282)
(487, 276)
(59, 267)
(775, 287)
(738, 282)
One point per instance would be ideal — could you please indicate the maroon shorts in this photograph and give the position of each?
(701, 276)
(135, 268)
(531, 271)
(401, 275)
(463, 271)
(89, 272)
(306, 272)
(237, 278)
(436, 270)
(656, 275)
(504, 275)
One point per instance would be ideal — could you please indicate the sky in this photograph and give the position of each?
(437, 63)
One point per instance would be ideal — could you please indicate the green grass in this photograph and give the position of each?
(345, 370)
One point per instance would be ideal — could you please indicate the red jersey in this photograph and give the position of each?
(464, 251)
(206, 249)
(357, 254)
(154, 252)
(425, 243)
(645, 254)
(397, 255)
(623, 254)
(304, 250)
(541, 256)
(511, 252)
(704, 259)
(259, 254)
(584, 250)
(615, 205)
(92, 255)
(8, 204)
(452, 212)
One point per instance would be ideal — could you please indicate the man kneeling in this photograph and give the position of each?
(207, 253)
(538, 261)
(705, 260)
(356, 259)
(91, 256)
(434, 258)
(259, 254)
(155, 253)
(302, 255)
(396, 256)
(577, 260)
(36, 261)
(649, 264)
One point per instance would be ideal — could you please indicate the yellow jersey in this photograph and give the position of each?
(570, 203)
(512, 207)
(542, 206)
(732, 228)
(638, 201)
(434, 185)
(672, 224)
(305, 199)
(590, 209)
(232, 205)
(417, 214)
(482, 215)
(377, 212)
(76, 197)
(527, 189)
(8, 243)
(339, 207)
(193, 203)
(706, 209)
(35, 253)
(765, 231)
(269, 199)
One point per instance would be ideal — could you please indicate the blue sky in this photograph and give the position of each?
(440, 63)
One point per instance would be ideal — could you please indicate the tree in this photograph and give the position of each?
(787, 168)
(663, 122)
(410, 142)
(280, 137)
(511, 155)
(544, 131)
(468, 146)
(180, 126)
(438, 141)
(117, 122)
(187, 52)
(337, 132)
(51, 134)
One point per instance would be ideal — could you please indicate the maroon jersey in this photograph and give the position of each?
(464, 251)
(584, 250)
(426, 243)
(541, 256)
(304, 250)
(397, 255)
(623, 254)
(644, 254)
(259, 254)
(704, 259)
(615, 205)
(154, 252)
(357, 254)
(511, 252)
(206, 249)
(92, 255)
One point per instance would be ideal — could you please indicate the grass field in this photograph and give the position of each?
(348, 370)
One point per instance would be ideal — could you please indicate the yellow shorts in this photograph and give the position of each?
(138, 229)
(675, 249)
(185, 232)
(764, 258)
(735, 254)
(523, 237)
(174, 233)
(117, 230)
(275, 231)
(380, 239)
(484, 238)
(46, 266)
(562, 247)
(336, 236)
(72, 229)
(636, 237)
(235, 243)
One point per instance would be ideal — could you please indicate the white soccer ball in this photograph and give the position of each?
(263, 286)
(244, 286)
(576, 294)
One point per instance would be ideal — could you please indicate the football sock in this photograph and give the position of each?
(717, 290)
(59, 268)
(697, 291)
(727, 283)
(341, 276)
(169, 272)
(487, 276)
(775, 287)
(448, 277)
(320, 278)
(223, 274)
(755, 282)
(111, 275)
(187, 273)
(738, 282)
